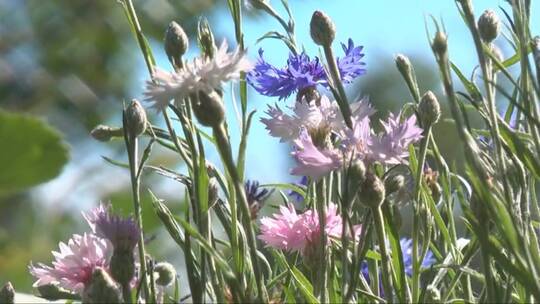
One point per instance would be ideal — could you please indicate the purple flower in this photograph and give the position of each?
(121, 232)
(303, 72)
(393, 145)
(312, 161)
(351, 66)
(75, 263)
(300, 72)
(390, 147)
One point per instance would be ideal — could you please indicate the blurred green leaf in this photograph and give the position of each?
(32, 152)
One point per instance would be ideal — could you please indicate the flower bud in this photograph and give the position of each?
(429, 109)
(372, 191)
(102, 289)
(404, 65)
(439, 45)
(323, 30)
(309, 95)
(7, 294)
(209, 109)
(357, 172)
(394, 183)
(105, 133)
(176, 43)
(206, 38)
(165, 273)
(433, 295)
(135, 118)
(489, 26)
(52, 293)
(122, 265)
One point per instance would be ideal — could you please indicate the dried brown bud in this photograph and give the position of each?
(323, 30)
(7, 294)
(135, 118)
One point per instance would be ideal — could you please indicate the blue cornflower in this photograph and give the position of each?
(302, 184)
(256, 196)
(406, 250)
(303, 72)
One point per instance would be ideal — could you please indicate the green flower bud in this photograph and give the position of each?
(439, 45)
(122, 265)
(323, 29)
(176, 43)
(105, 133)
(52, 293)
(357, 173)
(135, 118)
(394, 183)
(102, 289)
(206, 38)
(372, 192)
(429, 109)
(489, 26)
(209, 109)
(7, 294)
(165, 273)
(404, 65)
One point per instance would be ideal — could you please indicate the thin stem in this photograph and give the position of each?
(341, 97)
(132, 14)
(225, 150)
(381, 235)
(322, 276)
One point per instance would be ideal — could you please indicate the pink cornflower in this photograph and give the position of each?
(294, 232)
(75, 263)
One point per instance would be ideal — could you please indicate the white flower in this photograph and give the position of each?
(202, 74)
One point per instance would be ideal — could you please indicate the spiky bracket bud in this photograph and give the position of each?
(7, 294)
(439, 45)
(176, 43)
(372, 192)
(205, 37)
(322, 29)
(489, 26)
(208, 108)
(136, 118)
(429, 109)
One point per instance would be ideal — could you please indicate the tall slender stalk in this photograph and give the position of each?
(385, 256)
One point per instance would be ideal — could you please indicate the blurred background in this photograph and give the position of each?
(66, 66)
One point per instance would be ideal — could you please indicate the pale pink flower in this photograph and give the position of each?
(393, 145)
(312, 161)
(310, 115)
(74, 263)
(202, 74)
(299, 232)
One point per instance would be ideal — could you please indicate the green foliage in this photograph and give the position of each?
(32, 152)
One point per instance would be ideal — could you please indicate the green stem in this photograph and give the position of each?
(341, 96)
(225, 150)
(148, 58)
(385, 257)
(322, 278)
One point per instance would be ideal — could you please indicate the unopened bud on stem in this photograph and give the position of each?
(206, 38)
(372, 192)
(394, 183)
(439, 45)
(176, 43)
(429, 109)
(105, 133)
(165, 273)
(7, 294)
(209, 109)
(123, 265)
(489, 26)
(136, 118)
(323, 30)
(404, 65)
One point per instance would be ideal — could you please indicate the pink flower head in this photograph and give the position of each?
(393, 146)
(74, 264)
(312, 161)
(121, 232)
(298, 232)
